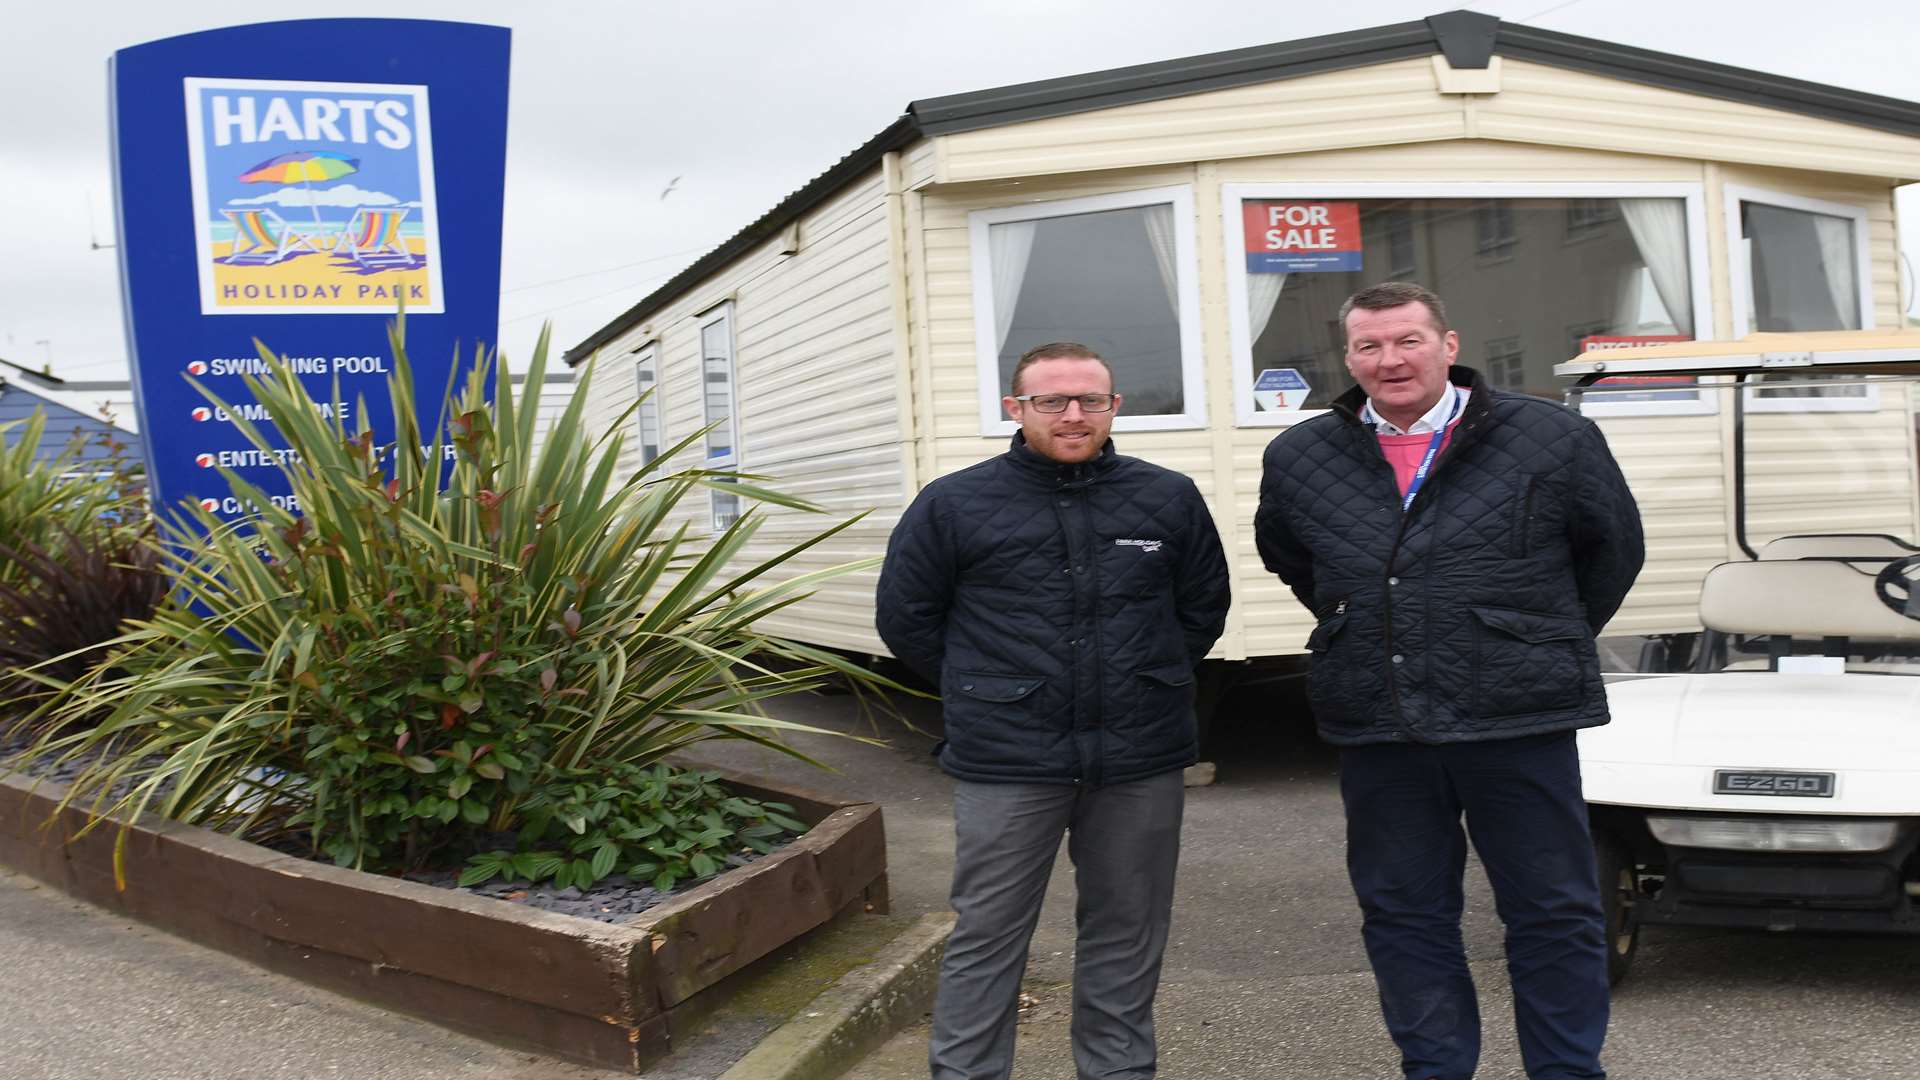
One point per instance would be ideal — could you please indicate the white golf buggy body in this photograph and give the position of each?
(1776, 783)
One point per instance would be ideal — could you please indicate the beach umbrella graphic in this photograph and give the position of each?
(302, 167)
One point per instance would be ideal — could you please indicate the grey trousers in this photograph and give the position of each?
(1124, 840)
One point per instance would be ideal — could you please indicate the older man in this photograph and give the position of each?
(1059, 595)
(1460, 548)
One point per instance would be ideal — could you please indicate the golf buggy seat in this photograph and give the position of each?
(1833, 606)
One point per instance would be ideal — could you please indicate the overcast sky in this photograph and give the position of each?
(744, 101)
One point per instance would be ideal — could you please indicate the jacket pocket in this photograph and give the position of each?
(991, 686)
(1170, 676)
(1521, 544)
(1165, 697)
(1328, 678)
(992, 725)
(1528, 661)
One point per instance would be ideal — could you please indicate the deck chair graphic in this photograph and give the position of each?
(261, 238)
(372, 238)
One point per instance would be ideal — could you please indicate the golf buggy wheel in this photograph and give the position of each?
(1619, 898)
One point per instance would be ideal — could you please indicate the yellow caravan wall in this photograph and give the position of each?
(815, 341)
(857, 365)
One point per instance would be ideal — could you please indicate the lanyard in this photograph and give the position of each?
(1433, 448)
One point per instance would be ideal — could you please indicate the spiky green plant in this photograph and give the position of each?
(44, 501)
(449, 625)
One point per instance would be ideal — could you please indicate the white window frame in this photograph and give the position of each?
(732, 460)
(1740, 278)
(648, 355)
(1187, 272)
(1240, 325)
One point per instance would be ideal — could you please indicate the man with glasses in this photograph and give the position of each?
(1060, 596)
(1460, 547)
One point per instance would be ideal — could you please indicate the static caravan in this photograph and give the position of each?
(1199, 221)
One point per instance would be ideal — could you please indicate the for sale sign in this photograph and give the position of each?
(1301, 237)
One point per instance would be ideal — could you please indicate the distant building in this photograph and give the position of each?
(22, 391)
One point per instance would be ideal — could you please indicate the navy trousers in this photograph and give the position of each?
(1407, 855)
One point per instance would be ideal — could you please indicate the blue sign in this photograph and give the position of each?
(1284, 378)
(294, 183)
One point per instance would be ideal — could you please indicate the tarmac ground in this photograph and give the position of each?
(1264, 976)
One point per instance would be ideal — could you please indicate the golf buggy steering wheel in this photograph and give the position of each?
(1895, 585)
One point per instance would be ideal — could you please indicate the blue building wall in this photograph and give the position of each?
(18, 402)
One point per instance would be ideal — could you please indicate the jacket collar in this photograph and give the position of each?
(1479, 399)
(1032, 464)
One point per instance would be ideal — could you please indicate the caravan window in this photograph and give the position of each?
(1113, 272)
(719, 407)
(1528, 273)
(646, 375)
(1799, 264)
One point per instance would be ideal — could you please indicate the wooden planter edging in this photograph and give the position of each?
(599, 993)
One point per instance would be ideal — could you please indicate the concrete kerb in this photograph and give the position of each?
(863, 1009)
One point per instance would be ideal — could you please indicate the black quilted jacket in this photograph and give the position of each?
(1472, 616)
(1061, 610)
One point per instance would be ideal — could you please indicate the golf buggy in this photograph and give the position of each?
(1764, 771)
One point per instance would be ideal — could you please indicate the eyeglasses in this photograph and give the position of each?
(1052, 403)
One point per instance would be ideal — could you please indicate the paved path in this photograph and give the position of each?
(88, 996)
(1265, 976)
(1266, 979)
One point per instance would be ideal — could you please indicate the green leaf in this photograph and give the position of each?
(536, 865)
(473, 812)
(421, 764)
(703, 865)
(604, 860)
(484, 868)
(459, 786)
(489, 770)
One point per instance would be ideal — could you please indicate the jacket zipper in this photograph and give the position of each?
(1090, 653)
(1071, 488)
(1400, 534)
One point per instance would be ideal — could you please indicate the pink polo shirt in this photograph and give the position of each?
(1403, 451)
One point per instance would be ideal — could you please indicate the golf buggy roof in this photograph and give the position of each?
(1835, 352)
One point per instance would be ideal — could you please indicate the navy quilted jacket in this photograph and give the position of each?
(1061, 610)
(1471, 616)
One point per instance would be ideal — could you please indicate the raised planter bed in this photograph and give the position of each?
(608, 994)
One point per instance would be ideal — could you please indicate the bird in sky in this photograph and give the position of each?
(668, 190)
